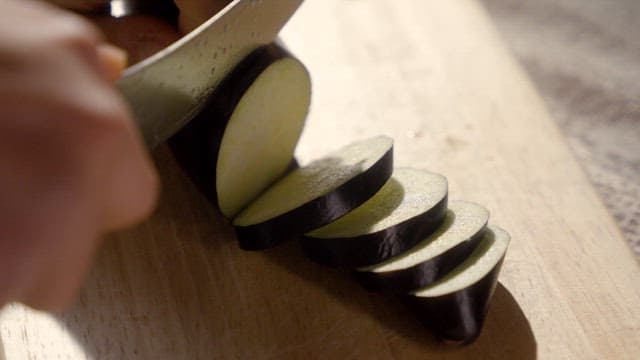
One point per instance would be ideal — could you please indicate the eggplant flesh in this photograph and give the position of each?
(245, 136)
(455, 307)
(314, 195)
(410, 206)
(433, 257)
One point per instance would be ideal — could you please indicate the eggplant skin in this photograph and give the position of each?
(458, 317)
(419, 275)
(196, 146)
(318, 212)
(376, 247)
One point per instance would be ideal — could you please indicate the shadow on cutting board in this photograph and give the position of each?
(507, 333)
(178, 287)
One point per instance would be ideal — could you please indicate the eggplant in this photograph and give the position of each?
(411, 205)
(454, 308)
(244, 138)
(346, 208)
(317, 194)
(433, 257)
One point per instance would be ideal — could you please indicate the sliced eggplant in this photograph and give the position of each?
(244, 138)
(411, 205)
(433, 257)
(454, 308)
(317, 194)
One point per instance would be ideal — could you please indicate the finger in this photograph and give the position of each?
(107, 182)
(53, 239)
(133, 181)
(113, 60)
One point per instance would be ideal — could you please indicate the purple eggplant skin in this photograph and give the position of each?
(319, 211)
(369, 249)
(457, 318)
(420, 275)
(196, 146)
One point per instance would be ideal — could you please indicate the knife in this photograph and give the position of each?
(166, 90)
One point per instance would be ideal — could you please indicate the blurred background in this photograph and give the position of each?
(584, 58)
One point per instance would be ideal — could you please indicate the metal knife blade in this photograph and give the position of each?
(166, 90)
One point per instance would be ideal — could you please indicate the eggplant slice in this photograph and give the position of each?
(411, 205)
(432, 258)
(454, 308)
(317, 194)
(244, 138)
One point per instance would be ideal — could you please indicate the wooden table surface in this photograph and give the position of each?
(435, 76)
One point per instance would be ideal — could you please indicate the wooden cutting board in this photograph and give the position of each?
(435, 76)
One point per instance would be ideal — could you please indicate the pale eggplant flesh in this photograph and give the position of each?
(411, 205)
(432, 258)
(317, 194)
(244, 138)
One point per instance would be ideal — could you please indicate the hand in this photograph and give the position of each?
(72, 166)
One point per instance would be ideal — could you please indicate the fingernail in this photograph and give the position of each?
(113, 61)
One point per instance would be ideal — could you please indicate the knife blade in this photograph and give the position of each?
(167, 89)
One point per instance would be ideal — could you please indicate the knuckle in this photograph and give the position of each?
(88, 113)
(77, 25)
(73, 33)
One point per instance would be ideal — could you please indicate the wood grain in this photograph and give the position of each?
(435, 76)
